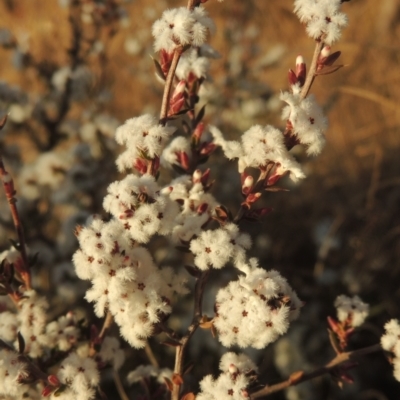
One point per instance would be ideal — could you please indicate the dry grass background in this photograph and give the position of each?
(354, 185)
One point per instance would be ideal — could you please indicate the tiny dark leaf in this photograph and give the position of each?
(21, 343)
(332, 58)
(159, 71)
(195, 272)
(329, 70)
(33, 260)
(200, 115)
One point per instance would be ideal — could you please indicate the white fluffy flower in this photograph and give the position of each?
(142, 136)
(259, 146)
(180, 26)
(213, 249)
(390, 341)
(12, 371)
(322, 18)
(8, 326)
(232, 383)
(351, 309)
(170, 154)
(81, 376)
(307, 119)
(196, 208)
(256, 309)
(110, 352)
(61, 334)
(32, 322)
(125, 280)
(141, 207)
(192, 63)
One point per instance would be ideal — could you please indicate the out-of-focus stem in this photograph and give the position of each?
(12, 202)
(119, 386)
(197, 314)
(302, 377)
(150, 355)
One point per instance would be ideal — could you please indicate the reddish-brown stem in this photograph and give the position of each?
(197, 314)
(168, 85)
(10, 193)
(108, 320)
(340, 359)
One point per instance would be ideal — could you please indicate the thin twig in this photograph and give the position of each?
(106, 324)
(10, 192)
(119, 386)
(108, 320)
(300, 377)
(150, 355)
(312, 72)
(197, 314)
(168, 85)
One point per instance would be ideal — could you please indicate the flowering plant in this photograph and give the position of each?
(149, 209)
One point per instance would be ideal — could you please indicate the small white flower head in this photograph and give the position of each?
(8, 326)
(260, 146)
(256, 309)
(110, 352)
(352, 310)
(213, 249)
(81, 376)
(390, 341)
(191, 63)
(308, 121)
(177, 146)
(232, 382)
(196, 205)
(12, 372)
(61, 334)
(102, 245)
(143, 137)
(32, 322)
(180, 26)
(140, 206)
(322, 18)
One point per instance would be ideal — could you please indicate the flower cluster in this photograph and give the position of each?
(307, 119)
(144, 139)
(80, 375)
(256, 309)
(259, 147)
(124, 279)
(180, 27)
(197, 205)
(323, 18)
(213, 249)
(13, 371)
(390, 341)
(351, 310)
(232, 383)
(141, 206)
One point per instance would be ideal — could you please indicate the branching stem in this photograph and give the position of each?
(302, 377)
